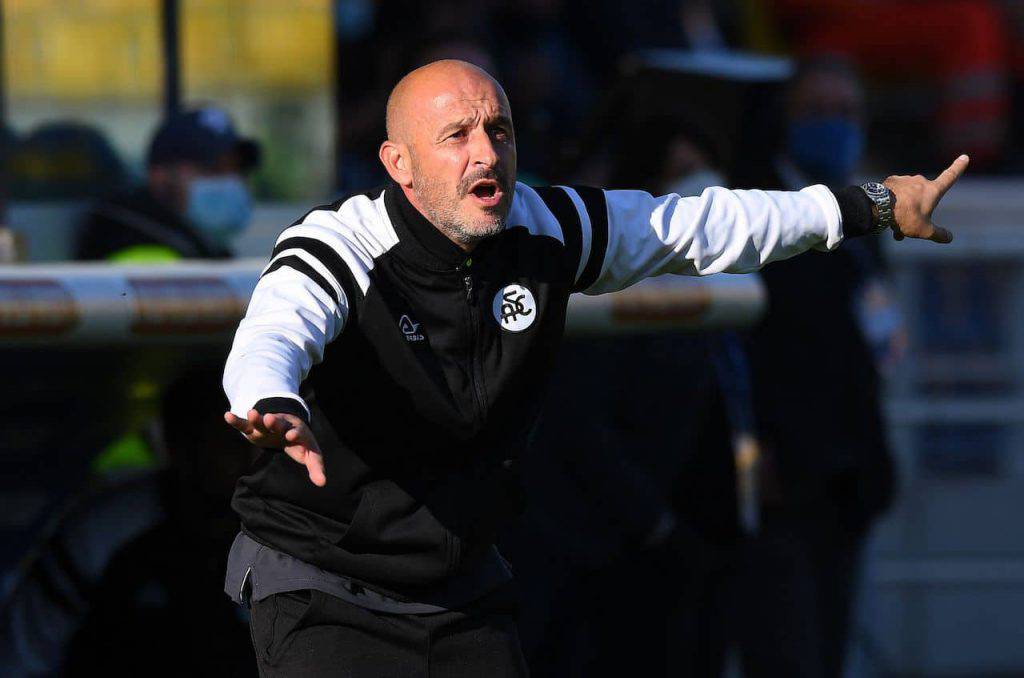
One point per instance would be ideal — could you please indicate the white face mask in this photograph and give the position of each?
(219, 206)
(694, 183)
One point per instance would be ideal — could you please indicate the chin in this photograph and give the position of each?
(482, 229)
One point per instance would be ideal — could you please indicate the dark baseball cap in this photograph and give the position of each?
(203, 136)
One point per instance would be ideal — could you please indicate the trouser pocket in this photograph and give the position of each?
(276, 619)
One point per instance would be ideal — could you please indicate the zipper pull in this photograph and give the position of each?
(468, 282)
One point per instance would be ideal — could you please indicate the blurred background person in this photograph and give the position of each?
(622, 554)
(961, 48)
(128, 580)
(625, 553)
(130, 560)
(827, 471)
(64, 160)
(193, 202)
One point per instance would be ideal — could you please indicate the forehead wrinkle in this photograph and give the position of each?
(423, 94)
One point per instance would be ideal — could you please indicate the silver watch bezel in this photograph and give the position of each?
(884, 200)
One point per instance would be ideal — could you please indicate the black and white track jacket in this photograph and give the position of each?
(421, 368)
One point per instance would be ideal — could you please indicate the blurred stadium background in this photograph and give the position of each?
(84, 83)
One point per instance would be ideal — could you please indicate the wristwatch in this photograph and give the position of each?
(885, 202)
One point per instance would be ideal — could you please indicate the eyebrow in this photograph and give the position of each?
(502, 120)
(452, 126)
(458, 124)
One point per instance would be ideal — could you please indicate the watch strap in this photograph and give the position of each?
(885, 204)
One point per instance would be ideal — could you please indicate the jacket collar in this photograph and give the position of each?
(419, 240)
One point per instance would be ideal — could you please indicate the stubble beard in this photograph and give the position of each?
(443, 211)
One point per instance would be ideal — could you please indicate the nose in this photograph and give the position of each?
(482, 151)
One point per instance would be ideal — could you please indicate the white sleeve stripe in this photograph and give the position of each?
(340, 308)
(586, 230)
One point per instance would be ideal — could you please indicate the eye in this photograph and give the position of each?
(500, 133)
(458, 134)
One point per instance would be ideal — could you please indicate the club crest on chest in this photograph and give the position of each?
(514, 308)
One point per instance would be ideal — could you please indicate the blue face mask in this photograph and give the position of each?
(219, 206)
(826, 149)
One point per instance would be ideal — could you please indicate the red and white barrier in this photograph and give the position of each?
(99, 303)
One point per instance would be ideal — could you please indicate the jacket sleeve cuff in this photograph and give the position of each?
(857, 211)
(282, 405)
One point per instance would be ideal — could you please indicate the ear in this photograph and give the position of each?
(396, 160)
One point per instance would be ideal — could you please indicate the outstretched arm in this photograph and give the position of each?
(632, 235)
(298, 307)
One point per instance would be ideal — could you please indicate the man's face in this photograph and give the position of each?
(463, 157)
(827, 95)
(171, 181)
(825, 138)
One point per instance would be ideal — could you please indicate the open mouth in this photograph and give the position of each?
(487, 192)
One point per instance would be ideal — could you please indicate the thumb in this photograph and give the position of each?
(301, 446)
(940, 235)
(311, 459)
(315, 466)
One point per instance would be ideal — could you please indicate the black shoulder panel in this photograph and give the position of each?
(597, 209)
(561, 205)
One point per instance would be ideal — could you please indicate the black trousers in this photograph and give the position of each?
(310, 634)
(796, 594)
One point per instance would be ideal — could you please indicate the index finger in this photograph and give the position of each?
(238, 423)
(940, 235)
(945, 181)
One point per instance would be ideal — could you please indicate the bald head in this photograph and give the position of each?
(427, 86)
(452, 149)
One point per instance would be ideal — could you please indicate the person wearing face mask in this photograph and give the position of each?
(193, 203)
(132, 553)
(827, 471)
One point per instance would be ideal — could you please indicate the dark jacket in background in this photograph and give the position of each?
(822, 421)
(135, 218)
(828, 467)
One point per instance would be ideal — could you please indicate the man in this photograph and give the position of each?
(194, 200)
(135, 559)
(643, 493)
(64, 160)
(960, 48)
(828, 468)
(396, 347)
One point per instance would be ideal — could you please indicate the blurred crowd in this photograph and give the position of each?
(713, 499)
(952, 68)
(951, 71)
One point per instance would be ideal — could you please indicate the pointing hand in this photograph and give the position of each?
(916, 199)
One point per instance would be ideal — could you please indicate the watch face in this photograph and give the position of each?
(877, 192)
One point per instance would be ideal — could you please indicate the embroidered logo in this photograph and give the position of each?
(514, 308)
(410, 329)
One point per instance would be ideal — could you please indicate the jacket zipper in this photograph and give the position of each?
(476, 371)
